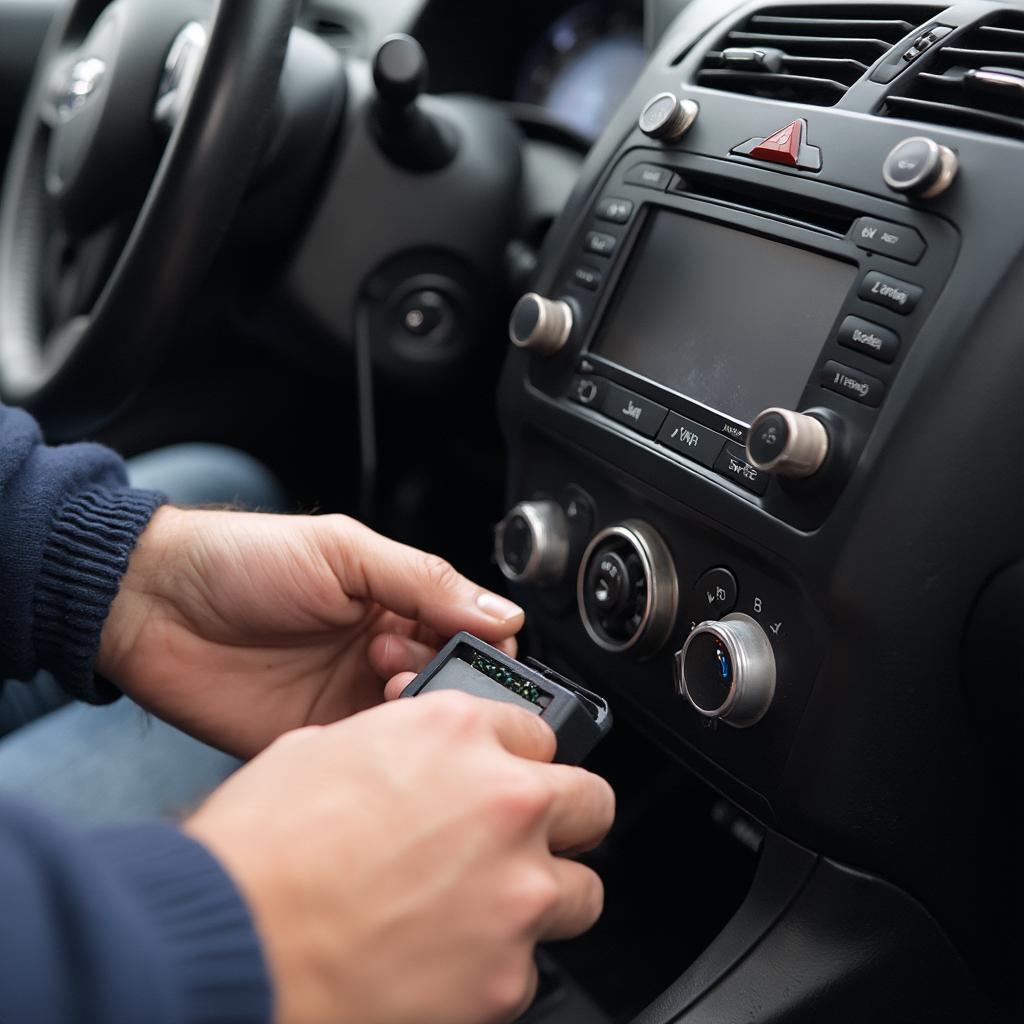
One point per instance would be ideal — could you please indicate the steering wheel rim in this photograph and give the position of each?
(75, 373)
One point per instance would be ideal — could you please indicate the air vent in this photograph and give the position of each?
(975, 82)
(808, 54)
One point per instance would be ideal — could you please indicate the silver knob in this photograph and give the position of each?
(531, 543)
(787, 443)
(543, 325)
(667, 117)
(627, 589)
(727, 670)
(920, 167)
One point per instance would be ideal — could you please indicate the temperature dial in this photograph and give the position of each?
(531, 543)
(787, 443)
(627, 589)
(727, 670)
(543, 325)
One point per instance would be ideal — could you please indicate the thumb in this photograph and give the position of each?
(417, 585)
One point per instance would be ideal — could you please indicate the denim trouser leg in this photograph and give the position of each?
(117, 764)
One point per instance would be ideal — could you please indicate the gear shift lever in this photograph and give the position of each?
(410, 136)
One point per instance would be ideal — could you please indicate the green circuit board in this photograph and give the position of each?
(504, 677)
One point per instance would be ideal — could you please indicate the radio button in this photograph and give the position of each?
(649, 176)
(863, 336)
(600, 244)
(733, 464)
(616, 211)
(635, 412)
(587, 391)
(890, 292)
(894, 240)
(587, 277)
(693, 440)
(854, 384)
(717, 592)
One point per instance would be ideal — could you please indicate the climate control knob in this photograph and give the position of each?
(727, 670)
(531, 544)
(627, 589)
(788, 443)
(540, 324)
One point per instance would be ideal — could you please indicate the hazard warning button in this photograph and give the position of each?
(788, 146)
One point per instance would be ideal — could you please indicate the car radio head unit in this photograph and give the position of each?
(708, 316)
(733, 321)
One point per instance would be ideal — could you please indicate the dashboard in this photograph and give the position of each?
(759, 413)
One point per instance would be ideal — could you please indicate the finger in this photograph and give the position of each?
(396, 687)
(391, 653)
(416, 585)
(530, 991)
(581, 902)
(520, 732)
(583, 810)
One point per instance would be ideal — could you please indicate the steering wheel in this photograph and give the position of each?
(144, 123)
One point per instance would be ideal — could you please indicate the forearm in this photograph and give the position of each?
(68, 524)
(121, 925)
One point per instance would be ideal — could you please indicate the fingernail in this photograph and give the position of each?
(498, 608)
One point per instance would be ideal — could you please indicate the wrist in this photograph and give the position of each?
(146, 583)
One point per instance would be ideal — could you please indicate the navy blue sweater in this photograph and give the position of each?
(124, 925)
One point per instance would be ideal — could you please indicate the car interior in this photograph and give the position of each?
(693, 325)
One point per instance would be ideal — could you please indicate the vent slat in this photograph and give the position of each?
(808, 45)
(1001, 36)
(951, 92)
(818, 51)
(818, 91)
(892, 31)
(982, 58)
(913, 109)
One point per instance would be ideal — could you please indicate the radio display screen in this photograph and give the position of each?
(728, 319)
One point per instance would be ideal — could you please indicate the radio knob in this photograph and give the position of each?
(787, 443)
(531, 543)
(727, 670)
(542, 325)
(920, 167)
(667, 117)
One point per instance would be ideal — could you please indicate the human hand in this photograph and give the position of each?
(238, 627)
(399, 865)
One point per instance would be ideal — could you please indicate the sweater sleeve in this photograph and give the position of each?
(122, 925)
(68, 525)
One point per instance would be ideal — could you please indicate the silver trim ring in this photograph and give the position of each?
(753, 670)
(942, 163)
(550, 554)
(659, 615)
(806, 448)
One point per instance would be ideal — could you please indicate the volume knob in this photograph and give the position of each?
(788, 443)
(540, 324)
(920, 167)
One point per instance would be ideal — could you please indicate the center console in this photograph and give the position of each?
(758, 406)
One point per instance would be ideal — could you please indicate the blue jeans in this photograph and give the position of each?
(117, 764)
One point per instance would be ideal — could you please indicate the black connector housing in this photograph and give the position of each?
(579, 718)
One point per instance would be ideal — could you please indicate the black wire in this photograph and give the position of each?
(367, 413)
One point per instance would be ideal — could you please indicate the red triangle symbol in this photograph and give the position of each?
(783, 147)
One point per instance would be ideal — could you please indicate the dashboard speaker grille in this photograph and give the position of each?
(807, 53)
(976, 82)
